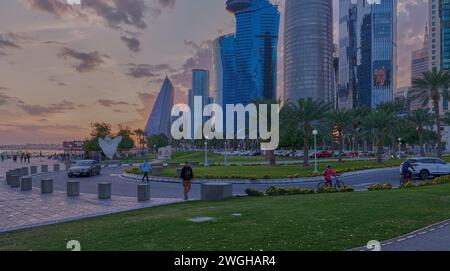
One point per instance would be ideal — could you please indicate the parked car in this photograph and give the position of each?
(325, 154)
(429, 167)
(85, 168)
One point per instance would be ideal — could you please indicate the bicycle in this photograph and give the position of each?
(406, 178)
(338, 184)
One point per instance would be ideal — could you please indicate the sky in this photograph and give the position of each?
(64, 67)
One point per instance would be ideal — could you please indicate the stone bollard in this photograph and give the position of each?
(47, 186)
(56, 168)
(14, 181)
(157, 171)
(44, 168)
(179, 172)
(8, 175)
(73, 188)
(143, 191)
(33, 170)
(24, 171)
(104, 191)
(26, 184)
(216, 191)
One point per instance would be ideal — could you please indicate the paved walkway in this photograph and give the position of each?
(9, 164)
(19, 210)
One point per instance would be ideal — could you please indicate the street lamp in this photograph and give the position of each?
(206, 153)
(315, 133)
(399, 147)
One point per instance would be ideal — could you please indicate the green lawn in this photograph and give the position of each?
(309, 222)
(199, 156)
(282, 171)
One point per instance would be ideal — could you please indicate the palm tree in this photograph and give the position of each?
(302, 116)
(421, 119)
(380, 121)
(139, 134)
(358, 114)
(339, 120)
(431, 88)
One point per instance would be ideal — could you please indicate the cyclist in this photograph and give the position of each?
(407, 174)
(328, 175)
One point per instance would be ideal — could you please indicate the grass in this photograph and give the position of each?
(199, 156)
(308, 222)
(281, 171)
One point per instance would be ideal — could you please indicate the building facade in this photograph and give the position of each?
(420, 63)
(255, 49)
(159, 121)
(224, 65)
(347, 92)
(308, 49)
(376, 38)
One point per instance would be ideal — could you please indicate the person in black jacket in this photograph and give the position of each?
(187, 174)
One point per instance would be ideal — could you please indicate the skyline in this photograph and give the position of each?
(64, 67)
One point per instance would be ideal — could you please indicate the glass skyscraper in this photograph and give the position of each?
(224, 70)
(347, 94)
(308, 49)
(377, 52)
(255, 52)
(159, 121)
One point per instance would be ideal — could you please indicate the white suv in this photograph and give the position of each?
(429, 166)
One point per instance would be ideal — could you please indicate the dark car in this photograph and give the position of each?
(84, 168)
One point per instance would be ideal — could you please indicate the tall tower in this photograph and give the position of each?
(160, 119)
(308, 45)
(255, 46)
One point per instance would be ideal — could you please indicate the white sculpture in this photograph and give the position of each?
(109, 146)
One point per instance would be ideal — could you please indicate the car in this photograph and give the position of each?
(85, 168)
(427, 167)
(325, 154)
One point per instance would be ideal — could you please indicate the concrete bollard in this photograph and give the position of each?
(47, 186)
(143, 191)
(8, 175)
(157, 171)
(26, 184)
(24, 171)
(44, 168)
(56, 168)
(216, 191)
(14, 181)
(33, 170)
(104, 191)
(179, 172)
(73, 188)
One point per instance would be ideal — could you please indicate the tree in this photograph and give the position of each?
(99, 130)
(303, 116)
(357, 116)
(158, 141)
(127, 142)
(432, 87)
(339, 120)
(379, 121)
(421, 119)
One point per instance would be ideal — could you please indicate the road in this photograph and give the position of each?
(127, 187)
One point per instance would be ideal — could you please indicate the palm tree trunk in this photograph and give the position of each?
(306, 151)
(379, 150)
(421, 136)
(438, 126)
(341, 145)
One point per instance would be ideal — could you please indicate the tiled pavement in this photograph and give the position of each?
(20, 210)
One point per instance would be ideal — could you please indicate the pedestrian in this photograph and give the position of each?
(187, 175)
(145, 168)
(21, 157)
(15, 158)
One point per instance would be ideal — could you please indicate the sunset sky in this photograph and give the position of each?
(64, 67)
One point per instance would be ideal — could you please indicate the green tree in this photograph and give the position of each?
(158, 141)
(432, 87)
(303, 117)
(127, 142)
(339, 120)
(99, 130)
(379, 121)
(421, 118)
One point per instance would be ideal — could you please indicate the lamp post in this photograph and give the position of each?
(399, 147)
(206, 153)
(315, 133)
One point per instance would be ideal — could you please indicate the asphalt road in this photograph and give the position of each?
(127, 187)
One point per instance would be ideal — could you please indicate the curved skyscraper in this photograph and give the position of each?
(160, 119)
(308, 50)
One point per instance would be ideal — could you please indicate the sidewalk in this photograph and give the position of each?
(9, 164)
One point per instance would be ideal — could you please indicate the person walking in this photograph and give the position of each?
(187, 175)
(145, 168)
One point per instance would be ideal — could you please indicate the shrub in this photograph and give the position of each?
(408, 185)
(375, 187)
(346, 189)
(442, 180)
(327, 190)
(133, 170)
(387, 186)
(427, 183)
(254, 193)
(288, 191)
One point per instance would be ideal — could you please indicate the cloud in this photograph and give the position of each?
(110, 103)
(55, 80)
(4, 43)
(147, 101)
(132, 43)
(88, 61)
(147, 70)
(39, 110)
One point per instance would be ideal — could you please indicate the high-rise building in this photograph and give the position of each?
(255, 46)
(200, 85)
(377, 52)
(159, 121)
(434, 17)
(420, 63)
(224, 70)
(347, 91)
(308, 50)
